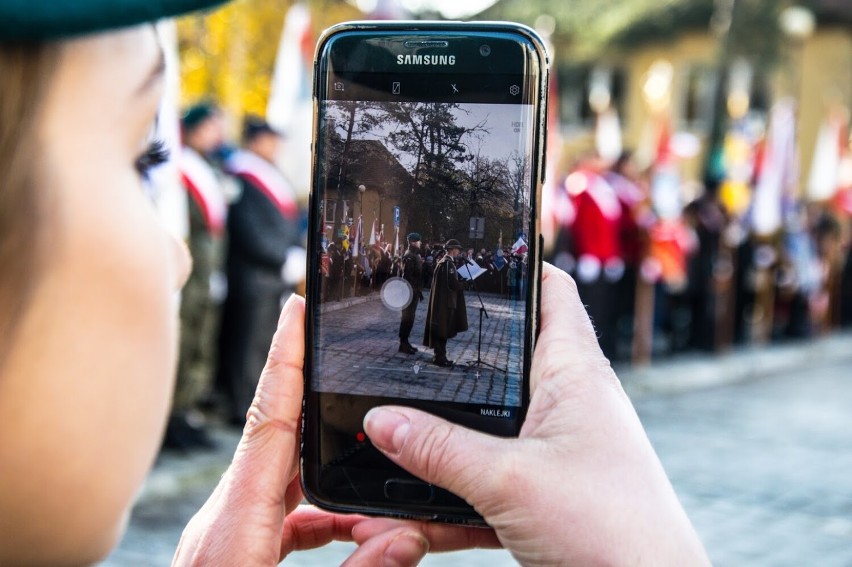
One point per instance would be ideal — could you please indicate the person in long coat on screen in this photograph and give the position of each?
(446, 315)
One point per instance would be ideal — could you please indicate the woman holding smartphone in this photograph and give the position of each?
(88, 335)
(88, 322)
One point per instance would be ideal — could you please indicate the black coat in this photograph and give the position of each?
(446, 315)
(258, 239)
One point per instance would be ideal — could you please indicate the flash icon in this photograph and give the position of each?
(395, 88)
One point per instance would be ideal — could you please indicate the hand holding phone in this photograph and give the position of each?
(580, 486)
(254, 517)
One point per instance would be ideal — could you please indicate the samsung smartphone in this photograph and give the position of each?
(432, 132)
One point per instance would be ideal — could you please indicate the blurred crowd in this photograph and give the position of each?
(245, 234)
(666, 265)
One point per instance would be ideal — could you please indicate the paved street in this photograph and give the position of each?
(359, 354)
(762, 467)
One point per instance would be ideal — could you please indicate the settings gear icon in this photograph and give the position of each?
(514, 90)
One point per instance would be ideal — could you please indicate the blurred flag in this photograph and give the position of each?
(825, 165)
(373, 233)
(608, 135)
(779, 173)
(388, 10)
(290, 108)
(169, 195)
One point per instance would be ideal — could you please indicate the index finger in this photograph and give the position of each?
(566, 334)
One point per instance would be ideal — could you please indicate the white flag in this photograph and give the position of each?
(822, 182)
(356, 246)
(780, 170)
(290, 109)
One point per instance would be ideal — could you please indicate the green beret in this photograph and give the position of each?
(40, 20)
(197, 114)
(414, 237)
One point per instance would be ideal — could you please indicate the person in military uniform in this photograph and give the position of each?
(203, 134)
(412, 272)
(447, 313)
(262, 228)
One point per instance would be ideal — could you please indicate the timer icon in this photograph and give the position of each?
(514, 90)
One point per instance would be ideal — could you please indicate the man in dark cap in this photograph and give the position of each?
(412, 272)
(262, 227)
(447, 313)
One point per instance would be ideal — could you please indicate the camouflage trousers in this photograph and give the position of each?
(199, 322)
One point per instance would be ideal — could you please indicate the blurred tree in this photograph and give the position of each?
(587, 29)
(228, 55)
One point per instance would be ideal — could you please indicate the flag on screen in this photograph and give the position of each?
(499, 260)
(373, 233)
(356, 242)
(519, 247)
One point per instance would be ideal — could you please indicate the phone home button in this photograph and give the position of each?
(413, 491)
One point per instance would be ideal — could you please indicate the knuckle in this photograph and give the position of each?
(434, 453)
(259, 416)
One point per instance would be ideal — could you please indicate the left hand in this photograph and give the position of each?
(253, 517)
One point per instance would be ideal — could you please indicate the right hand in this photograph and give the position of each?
(581, 485)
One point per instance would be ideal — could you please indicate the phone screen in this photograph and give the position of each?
(424, 229)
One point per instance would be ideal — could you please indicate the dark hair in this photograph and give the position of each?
(27, 69)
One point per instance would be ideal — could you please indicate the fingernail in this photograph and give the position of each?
(405, 550)
(387, 429)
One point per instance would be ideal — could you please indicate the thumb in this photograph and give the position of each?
(437, 451)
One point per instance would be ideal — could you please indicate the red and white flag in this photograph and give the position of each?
(519, 247)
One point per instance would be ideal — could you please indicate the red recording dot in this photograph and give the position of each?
(361, 437)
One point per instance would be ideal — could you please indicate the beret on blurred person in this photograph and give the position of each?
(197, 114)
(41, 20)
(255, 126)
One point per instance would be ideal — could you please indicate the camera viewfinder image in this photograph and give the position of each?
(424, 210)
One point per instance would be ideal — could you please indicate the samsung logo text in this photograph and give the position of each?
(425, 59)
